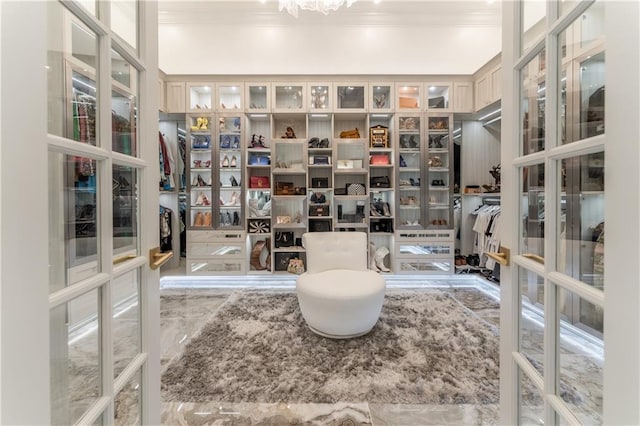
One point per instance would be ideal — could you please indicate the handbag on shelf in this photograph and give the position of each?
(350, 134)
(259, 182)
(320, 182)
(201, 141)
(283, 220)
(318, 210)
(319, 160)
(379, 159)
(318, 198)
(284, 188)
(356, 189)
(295, 266)
(319, 226)
(284, 239)
(379, 182)
(259, 160)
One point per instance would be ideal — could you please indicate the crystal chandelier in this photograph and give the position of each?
(323, 6)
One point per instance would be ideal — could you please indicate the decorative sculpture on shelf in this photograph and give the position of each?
(495, 173)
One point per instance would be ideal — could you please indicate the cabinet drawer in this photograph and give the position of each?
(425, 248)
(197, 266)
(217, 250)
(424, 265)
(426, 235)
(215, 237)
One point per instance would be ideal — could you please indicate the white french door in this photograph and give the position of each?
(79, 185)
(562, 161)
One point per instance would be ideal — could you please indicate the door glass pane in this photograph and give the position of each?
(319, 97)
(71, 86)
(533, 89)
(581, 357)
(125, 209)
(73, 242)
(124, 120)
(582, 91)
(532, 318)
(533, 21)
(73, 220)
(531, 402)
(532, 210)
(580, 233)
(75, 358)
(125, 296)
(128, 402)
(124, 20)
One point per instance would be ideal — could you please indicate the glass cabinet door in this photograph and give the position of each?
(351, 96)
(230, 96)
(409, 172)
(438, 96)
(199, 177)
(289, 97)
(320, 96)
(408, 97)
(229, 176)
(258, 97)
(200, 96)
(381, 97)
(439, 164)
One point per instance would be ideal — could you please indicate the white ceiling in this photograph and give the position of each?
(251, 37)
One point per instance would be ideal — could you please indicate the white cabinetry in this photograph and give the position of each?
(176, 97)
(463, 96)
(488, 88)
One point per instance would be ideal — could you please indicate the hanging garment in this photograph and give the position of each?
(166, 215)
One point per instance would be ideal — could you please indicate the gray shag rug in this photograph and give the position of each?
(427, 348)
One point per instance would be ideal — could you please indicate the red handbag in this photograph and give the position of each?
(379, 159)
(259, 182)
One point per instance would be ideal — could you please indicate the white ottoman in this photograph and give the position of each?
(338, 296)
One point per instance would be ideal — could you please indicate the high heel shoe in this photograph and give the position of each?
(381, 253)
(233, 181)
(372, 211)
(207, 219)
(197, 164)
(198, 220)
(402, 162)
(225, 162)
(207, 164)
(372, 260)
(236, 143)
(227, 219)
(386, 211)
(236, 219)
(201, 181)
(199, 199)
(234, 162)
(233, 200)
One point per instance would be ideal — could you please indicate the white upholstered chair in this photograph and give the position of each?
(339, 296)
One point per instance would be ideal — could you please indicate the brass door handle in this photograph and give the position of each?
(503, 257)
(157, 259)
(534, 257)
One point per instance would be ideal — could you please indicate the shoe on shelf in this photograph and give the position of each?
(225, 162)
(199, 220)
(402, 162)
(197, 164)
(234, 162)
(207, 164)
(207, 219)
(372, 257)
(379, 256)
(233, 181)
(234, 199)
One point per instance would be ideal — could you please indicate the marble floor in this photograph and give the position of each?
(190, 307)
